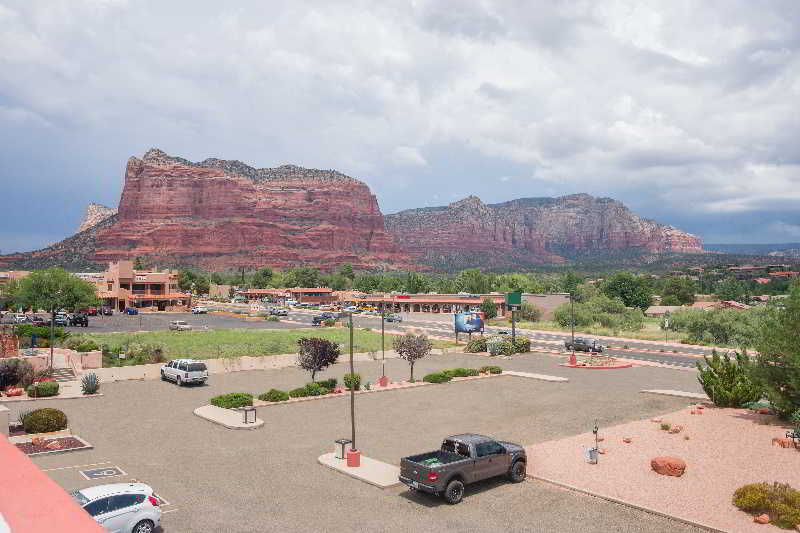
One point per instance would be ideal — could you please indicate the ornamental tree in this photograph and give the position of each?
(316, 354)
(412, 348)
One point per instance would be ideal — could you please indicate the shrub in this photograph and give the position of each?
(22, 415)
(437, 377)
(328, 383)
(43, 332)
(232, 400)
(299, 392)
(491, 369)
(15, 371)
(476, 345)
(780, 501)
(665, 427)
(273, 319)
(530, 312)
(315, 389)
(461, 372)
(522, 345)
(352, 381)
(329, 323)
(44, 421)
(728, 383)
(43, 389)
(274, 395)
(90, 383)
(80, 343)
(367, 385)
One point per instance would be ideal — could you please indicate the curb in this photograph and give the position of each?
(10, 399)
(258, 423)
(629, 504)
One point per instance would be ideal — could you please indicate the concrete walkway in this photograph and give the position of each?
(541, 377)
(374, 472)
(229, 418)
(678, 393)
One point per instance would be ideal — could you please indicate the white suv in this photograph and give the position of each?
(185, 371)
(180, 325)
(122, 507)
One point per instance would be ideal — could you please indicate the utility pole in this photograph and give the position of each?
(383, 345)
(572, 359)
(513, 327)
(352, 392)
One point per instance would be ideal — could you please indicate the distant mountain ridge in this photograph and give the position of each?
(218, 214)
(787, 249)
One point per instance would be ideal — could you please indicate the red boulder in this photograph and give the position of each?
(668, 466)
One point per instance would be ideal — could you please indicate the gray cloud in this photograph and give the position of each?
(686, 111)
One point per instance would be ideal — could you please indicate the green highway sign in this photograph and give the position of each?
(514, 300)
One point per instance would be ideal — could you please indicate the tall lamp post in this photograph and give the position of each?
(572, 359)
(353, 455)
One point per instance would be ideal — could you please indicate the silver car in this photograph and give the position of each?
(122, 507)
(180, 325)
(185, 371)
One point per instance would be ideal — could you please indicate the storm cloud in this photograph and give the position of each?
(686, 111)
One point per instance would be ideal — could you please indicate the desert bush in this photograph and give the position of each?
(43, 332)
(780, 501)
(274, 395)
(461, 372)
(437, 377)
(232, 400)
(476, 345)
(329, 323)
(522, 345)
(352, 381)
(530, 313)
(665, 426)
(329, 383)
(273, 319)
(299, 392)
(14, 372)
(309, 389)
(44, 421)
(81, 343)
(43, 389)
(145, 353)
(727, 382)
(491, 369)
(90, 383)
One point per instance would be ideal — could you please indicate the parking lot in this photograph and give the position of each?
(215, 479)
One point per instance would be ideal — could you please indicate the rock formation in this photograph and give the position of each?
(95, 214)
(531, 230)
(220, 214)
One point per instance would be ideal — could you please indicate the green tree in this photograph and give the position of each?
(347, 271)
(633, 290)
(678, 291)
(569, 281)
(303, 277)
(732, 289)
(473, 281)
(54, 289)
(416, 283)
(262, 277)
(778, 361)
(728, 382)
(489, 308)
(367, 283)
(185, 280)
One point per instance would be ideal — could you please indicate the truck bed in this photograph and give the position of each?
(435, 458)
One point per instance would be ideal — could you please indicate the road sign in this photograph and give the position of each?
(99, 473)
(514, 300)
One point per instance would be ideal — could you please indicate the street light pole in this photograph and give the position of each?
(383, 344)
(572, 359)
(352, 392)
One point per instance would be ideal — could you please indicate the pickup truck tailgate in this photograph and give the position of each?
(414, 471)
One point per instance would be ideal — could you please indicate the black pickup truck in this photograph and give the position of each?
(462, 459)
(584, 345)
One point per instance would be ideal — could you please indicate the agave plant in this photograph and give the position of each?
(90, 383)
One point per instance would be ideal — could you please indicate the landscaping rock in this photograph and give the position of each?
(600, 439)
(601, 451)
(783, 442)
(763, 410)
(761, 519)
(37, 441)
(53, 445)
(627, 440)
(668, 466)
(696, 412)
(657, 420)
(701, 407)
(676, 429)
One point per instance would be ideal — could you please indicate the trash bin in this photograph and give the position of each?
(591, 456)
(339, 449)
(248, 414)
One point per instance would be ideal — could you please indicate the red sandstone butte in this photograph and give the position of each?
(224, 214)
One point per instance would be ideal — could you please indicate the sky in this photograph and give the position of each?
(686, 111)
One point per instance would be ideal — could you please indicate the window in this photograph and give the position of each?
(97, 507)
(488, 448)
(182, 366)
(197, 367)
(121, 501)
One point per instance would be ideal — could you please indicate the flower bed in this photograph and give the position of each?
(57, 444)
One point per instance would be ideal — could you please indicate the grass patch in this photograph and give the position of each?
(238, 342)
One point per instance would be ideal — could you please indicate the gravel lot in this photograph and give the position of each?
(269, 479)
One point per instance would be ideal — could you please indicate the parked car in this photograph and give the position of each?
(185, 371)
(91, 311)
(393, 318)
(584, 345)
(131, 311)
(180, 325)
(322, 317)
(122, 507)
(79, 319)
(462, 459)
(36, 320)
(107, 310)
(324, 307)
(291, 302)
(62, 319)
(19, 318)
(199, 310)
(279, 311)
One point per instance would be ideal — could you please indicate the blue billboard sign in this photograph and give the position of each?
(468, 322)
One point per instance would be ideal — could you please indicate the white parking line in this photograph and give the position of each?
(75, 466)
(169, 511)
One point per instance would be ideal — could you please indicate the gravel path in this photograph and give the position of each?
(727, 448)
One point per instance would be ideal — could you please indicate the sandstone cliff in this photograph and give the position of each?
(220, 214)
(95, 214)
(531, 230)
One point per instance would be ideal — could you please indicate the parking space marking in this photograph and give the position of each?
(75, 466)
(169, 511)
(100, 473)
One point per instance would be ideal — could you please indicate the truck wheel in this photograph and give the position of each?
(517, 473)
(454, 492)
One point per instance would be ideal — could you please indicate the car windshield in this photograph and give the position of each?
(197, 367)
(79, 497)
